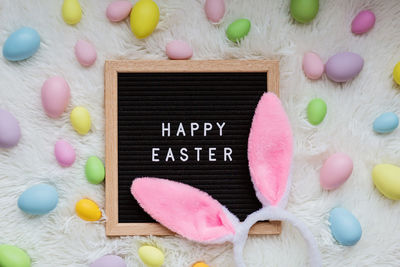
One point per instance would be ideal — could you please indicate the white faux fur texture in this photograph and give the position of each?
(62, 239)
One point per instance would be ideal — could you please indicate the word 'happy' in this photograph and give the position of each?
(198, 153)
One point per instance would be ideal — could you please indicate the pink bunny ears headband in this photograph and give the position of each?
(197, 216)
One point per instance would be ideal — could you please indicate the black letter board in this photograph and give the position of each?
(186, 121)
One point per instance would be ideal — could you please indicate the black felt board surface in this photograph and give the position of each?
(146, 100)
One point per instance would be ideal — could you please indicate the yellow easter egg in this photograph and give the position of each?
(71, 11)
(88, 210)
(386, 178)
(144, 18)
(200, 264)
(396, 73)
(80, 120)
(151, 256)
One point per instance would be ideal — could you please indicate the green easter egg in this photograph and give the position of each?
(304, 10)
(316, 111)
(11, 256)
(94, 170)
(238, 29)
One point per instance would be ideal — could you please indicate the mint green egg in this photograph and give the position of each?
(94, 170)
(11, 256)
(238, 29)
(304, 10)
(316, 111)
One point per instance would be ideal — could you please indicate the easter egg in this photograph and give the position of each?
(386, 123)
(396, 73)
(386, 178)
(179, 49)
(335, 171)
(65, 153)
(109, 261)
(345, 227)
(85, 53)
(10, 133)
(316, 111)
(363, 22)
(55, 96)
(11, 256)
(343, 66)
(144, 18)
(38, 199)
(94, 170)
(200, 264)
(238, 29)
(71, 11)
(88, 210)
(215, 10)
(118, 10)
(21, 44)
(80, 120)
(304, 11)
(313, 66)
(151, 256)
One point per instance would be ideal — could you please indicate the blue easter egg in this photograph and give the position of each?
(345, 228)
(38, 199)
(21, 44)
(386, 123)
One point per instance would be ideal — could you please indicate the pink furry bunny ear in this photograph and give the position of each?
(184, 209)
(270, 150)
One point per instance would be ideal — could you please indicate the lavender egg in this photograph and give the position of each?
(344, 66)
(108, 261)
(10, 133)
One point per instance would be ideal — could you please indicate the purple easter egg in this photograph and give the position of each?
(344, 66)
(363, 22)
(109, 261)
(10, 133)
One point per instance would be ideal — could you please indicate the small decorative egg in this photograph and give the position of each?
(344, 66)
(313, 66)
(10, 133)
(38, 199)
(386, 123)
(335, 171)
(71, 11)
(94, 170)
(200, 264)
(179, 49)
(11, 256)
(55, 96)
(396, 73)
(386, 178)
(316, 111)
(109, 261)
(65, 153)
(151, 256)
(345, 227)
(238, 29)
(215, 10)
(363, 22)
(88, 210)
(118, 10)
(144, 18)
(21, 44)
(80, 120)
(85, 53)
(304, 11)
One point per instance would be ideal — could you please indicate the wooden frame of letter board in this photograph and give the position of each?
(111, 70)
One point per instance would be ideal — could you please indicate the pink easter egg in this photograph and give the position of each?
(85, 52)
(65, 153)
(313, 66)
(55, 96)
(109, 261)
(363, 22)
(118, 10)
(10, 133)
(215, 10)
(179, 49)
(335, 171)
